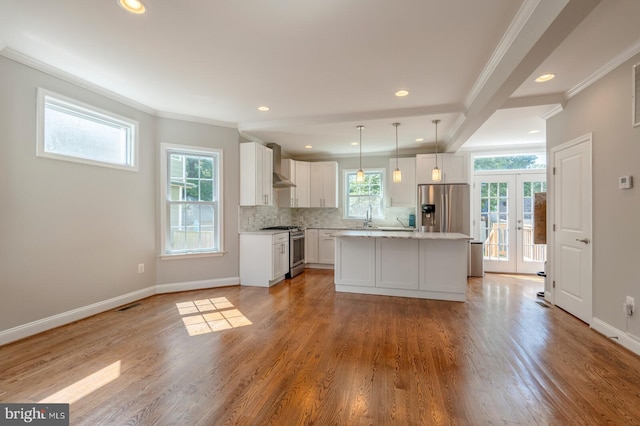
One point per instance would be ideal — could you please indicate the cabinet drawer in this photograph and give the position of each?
(280, 238)
(326, 233)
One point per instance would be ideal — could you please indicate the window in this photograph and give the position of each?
(72, 131)
(191, 187)
(510, 162)
(359, 196)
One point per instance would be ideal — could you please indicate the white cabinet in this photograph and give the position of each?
(454, 167)
(299, 173)
(256, 175)
(264, 258)
(326, 246)
(311, 246)
(319, 246)
(402, 194)
(280, 255)
(324, 184)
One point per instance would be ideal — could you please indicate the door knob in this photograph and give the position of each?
(583, 240)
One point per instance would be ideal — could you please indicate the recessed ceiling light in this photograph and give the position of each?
(401, 93)
(533, 132)
(354, 143)
(133, 6)
(420, 140)
(263, 108)
(308, 146)
(545, 77)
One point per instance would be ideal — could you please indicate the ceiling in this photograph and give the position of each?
(325, 67)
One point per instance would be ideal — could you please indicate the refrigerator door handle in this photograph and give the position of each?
(444, 212)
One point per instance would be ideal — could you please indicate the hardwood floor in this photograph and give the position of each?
(299, 353)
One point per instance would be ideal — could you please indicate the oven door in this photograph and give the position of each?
(296, 253)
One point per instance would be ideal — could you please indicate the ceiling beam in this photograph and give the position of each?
(539, 28)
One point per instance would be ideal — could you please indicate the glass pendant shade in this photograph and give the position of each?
(397, 176)
(360, 172)
(436, 174)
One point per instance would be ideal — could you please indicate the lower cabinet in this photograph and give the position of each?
(264, 258)
(326, 246)
(320, 247)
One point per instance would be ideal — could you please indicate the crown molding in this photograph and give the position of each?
(556, 109)
(23, 59)
(620, 59)
(194, 119)
(19, 57)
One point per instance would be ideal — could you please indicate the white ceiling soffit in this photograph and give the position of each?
(325, 67)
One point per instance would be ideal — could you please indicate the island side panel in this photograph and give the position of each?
(443, 267)
(397, 261)
(355, 261)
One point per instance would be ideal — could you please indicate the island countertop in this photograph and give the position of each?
(402, 234)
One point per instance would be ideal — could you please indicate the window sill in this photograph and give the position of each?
(190, 255)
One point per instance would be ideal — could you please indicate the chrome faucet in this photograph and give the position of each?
(368, 218)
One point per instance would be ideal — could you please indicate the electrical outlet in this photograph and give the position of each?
(141, 268)
(630, 305)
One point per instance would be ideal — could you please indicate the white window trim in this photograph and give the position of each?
(345, 181)
(196, 150)
(42, 94)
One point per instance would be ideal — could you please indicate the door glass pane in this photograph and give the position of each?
(531, 252)
(494, 219)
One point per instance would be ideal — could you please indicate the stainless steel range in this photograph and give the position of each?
(296, 248)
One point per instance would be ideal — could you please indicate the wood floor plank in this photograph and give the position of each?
(299, 353)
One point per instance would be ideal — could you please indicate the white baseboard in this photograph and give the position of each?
(44, 324)
(197, 285)
(619, 336)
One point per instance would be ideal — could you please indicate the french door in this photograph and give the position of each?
(504, 221)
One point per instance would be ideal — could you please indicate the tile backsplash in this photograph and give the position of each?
(258, 217)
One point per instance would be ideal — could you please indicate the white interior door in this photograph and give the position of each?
(572, 197)
(505, 218)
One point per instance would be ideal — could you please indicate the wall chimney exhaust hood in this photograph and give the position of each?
(279, 180)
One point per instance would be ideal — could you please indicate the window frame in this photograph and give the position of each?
(347, 173)
(165, 151)
(96, 114)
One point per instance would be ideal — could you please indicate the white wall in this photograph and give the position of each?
(72, 235)
(208, 269)
(605, 110)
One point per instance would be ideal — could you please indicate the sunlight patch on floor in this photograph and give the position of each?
(84, 387)
(214, 314)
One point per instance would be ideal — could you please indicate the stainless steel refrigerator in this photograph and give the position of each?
(444, 208)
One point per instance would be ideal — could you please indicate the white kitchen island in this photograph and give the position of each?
(428, 265)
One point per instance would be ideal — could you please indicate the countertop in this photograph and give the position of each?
(403, 234)
(265, 232)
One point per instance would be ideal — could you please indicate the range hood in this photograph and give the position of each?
(279, 180)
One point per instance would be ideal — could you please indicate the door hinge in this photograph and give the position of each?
(554, 227)
(554, 170)
(554, 284)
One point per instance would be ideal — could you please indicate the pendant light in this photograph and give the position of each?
(360, 173)
(397, 174)
(436, 173)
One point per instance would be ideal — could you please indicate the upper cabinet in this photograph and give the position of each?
(256, 175)
(299, 173)
(324, 184)
(402, 194)
(454, 167)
